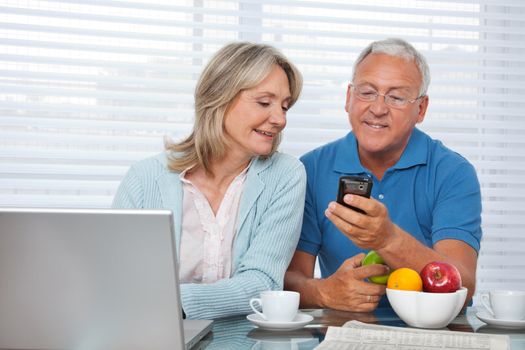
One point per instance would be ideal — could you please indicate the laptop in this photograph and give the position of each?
(91, 279)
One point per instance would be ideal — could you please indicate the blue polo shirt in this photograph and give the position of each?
(432, 193)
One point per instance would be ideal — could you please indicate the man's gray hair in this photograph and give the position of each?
(399, 48)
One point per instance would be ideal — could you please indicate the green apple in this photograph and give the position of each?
(373, 258)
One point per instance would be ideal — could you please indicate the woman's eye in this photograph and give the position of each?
(285, 108)
(264, 104)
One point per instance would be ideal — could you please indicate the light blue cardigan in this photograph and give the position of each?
(268, 228)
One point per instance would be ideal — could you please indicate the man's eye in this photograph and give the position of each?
(396, 98)
(368, 93)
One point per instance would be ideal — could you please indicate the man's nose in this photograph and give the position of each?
(379, 106)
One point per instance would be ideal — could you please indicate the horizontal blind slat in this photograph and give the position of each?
(267, 15)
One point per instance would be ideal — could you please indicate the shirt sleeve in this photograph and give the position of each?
(268, 252)
(457, 211)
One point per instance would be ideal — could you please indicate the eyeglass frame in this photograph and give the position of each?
(385, 97)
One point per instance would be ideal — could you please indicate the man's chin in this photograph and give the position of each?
(372, 148)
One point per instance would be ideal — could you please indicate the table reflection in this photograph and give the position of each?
(285, 340)
(238, 333)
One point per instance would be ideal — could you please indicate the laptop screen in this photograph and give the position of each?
(88, 279)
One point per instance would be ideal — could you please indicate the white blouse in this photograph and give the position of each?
(207, 240)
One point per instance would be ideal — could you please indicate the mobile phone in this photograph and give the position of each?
(360, 185)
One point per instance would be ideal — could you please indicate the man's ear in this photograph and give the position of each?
(348, 95)
(423, 105)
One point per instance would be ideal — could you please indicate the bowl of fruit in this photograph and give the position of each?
(429, 299)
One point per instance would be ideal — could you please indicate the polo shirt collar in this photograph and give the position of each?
(416, 151)
(347, 159)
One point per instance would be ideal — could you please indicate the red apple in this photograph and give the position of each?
(440, 277)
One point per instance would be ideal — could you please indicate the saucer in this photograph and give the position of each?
(299, 321)
(500, 323)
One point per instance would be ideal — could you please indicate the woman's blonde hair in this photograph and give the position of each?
(234, 68)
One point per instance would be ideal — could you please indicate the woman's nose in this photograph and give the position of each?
(278, 116)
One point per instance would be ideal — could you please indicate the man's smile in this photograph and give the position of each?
(375, 125)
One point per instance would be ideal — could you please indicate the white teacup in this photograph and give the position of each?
(505, 304)
(277, 306)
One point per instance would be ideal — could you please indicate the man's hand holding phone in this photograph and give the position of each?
(369, 231)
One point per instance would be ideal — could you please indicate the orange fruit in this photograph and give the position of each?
(405, 279)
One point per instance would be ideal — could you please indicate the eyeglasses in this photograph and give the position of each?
(367, 94)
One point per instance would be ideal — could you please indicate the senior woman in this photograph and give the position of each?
(237, 202)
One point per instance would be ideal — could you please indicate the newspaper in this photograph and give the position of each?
(355, 335)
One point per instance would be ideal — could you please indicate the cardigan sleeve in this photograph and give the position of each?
(138, 189)
(268, 253)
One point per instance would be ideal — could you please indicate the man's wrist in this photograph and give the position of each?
(321, 290)
(394, 243)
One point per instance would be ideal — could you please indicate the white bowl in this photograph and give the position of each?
(426, 310)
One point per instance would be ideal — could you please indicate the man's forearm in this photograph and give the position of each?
(403, 250)
(306, 286)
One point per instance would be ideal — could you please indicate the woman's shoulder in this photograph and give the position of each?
(285, 161)
(279, 167)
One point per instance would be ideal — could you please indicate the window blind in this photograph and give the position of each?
(89, 87)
